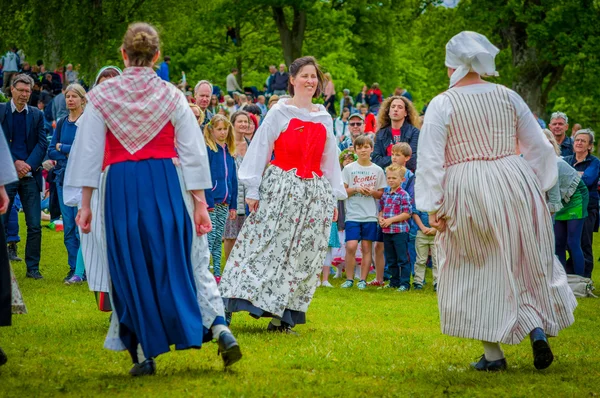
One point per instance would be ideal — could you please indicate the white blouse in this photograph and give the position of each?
(87, 154)
(533, 144)
(8, 172)
(260, 150)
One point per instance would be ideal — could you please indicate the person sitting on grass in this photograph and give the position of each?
(364, 182)
(396, 210)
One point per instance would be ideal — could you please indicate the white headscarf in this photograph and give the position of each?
(470, 52)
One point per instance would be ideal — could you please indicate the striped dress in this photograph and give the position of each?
(498, 276)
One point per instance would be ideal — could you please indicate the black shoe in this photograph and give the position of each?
(3, 357)
(34, 274)
(417, 286)
(489, 366)
(229, 349)
(12, 252)
(435, 287)
(146, 368)
(542, 354)
(283, 328)
(69, 275)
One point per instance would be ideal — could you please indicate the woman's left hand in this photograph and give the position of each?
(437, 223)
(335, 214)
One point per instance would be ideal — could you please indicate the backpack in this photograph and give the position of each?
(581, 287)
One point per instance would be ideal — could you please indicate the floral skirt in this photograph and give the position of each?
(275, 263)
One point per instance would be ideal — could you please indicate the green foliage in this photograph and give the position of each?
(549, 48)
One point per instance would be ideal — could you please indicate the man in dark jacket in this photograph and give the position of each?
(279, 84)
(25, 133)
(397, 120)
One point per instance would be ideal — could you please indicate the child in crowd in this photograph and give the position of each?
(364, 182)
(395, 212)
(346, 157)
(424, 242)
(401, 154)
(222, 199)
(334, 242)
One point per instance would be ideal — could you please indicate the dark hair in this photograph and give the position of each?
(363, 140)
(233, 70)
(39, 62)
(253, 109)
(141, 43)
(297, 66)
(166, 58)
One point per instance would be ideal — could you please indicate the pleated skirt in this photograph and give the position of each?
(498, 275)
(274, 265)
(149, 236)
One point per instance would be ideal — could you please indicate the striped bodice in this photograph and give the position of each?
(482, 126)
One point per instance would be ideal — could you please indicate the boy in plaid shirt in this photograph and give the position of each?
(396, 210)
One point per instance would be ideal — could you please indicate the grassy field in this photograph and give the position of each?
(370, 343)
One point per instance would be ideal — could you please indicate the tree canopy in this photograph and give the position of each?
(549, 48)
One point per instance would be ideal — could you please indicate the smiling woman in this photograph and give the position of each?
(273, 268)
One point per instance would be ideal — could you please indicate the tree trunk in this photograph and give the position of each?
(291, 39)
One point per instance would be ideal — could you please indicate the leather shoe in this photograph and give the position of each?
(283, 328)
(34, 274)
(146, 368)
(489, 366)
(542, 354)
(12, 252)
(3, 357)
(229, 349)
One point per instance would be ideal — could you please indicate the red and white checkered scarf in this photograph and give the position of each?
(135, 105)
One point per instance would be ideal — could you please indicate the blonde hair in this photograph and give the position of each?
(273, 98)
(396, 168)
(208, 130)
(141, 44)
(202, 115)
(77, 89)
(403, 148)
(412, 116)
(552, 140)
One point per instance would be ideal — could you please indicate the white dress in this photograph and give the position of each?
(498, 276)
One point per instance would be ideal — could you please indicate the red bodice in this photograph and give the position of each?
(161, 147)
(301, 147)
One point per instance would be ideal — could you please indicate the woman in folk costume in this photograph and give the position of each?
(274, 267)
(499, 280)
(161, 289)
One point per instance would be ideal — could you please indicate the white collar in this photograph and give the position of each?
(13, 107)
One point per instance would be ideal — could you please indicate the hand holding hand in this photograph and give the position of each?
(437, 223)
(252, 204)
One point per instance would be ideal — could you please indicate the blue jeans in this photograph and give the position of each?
(71, 233)
(29, 193)
(12, 227)
(396, 259)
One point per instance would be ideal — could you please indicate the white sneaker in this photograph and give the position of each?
(326, 284)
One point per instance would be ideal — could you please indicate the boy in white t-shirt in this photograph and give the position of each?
(364, 182)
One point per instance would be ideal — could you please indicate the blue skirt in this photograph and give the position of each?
(149, 239)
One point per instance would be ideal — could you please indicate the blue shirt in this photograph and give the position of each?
(163, 71)
(65, 137)
(566, 147)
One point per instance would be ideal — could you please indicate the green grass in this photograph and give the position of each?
(371, 343)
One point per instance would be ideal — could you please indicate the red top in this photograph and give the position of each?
(370, 123)
(301, 147)
(396, 134)
(161, 147)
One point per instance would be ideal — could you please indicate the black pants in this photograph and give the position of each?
(587, 239)
(5, 285)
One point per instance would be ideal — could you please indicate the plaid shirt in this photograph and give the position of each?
(393, 204)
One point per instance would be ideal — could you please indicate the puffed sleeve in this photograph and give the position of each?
(259, 153)
(534, 145)
(8, 173)
(191, 148)
(430, 172)
(87, 153)
(330, 165)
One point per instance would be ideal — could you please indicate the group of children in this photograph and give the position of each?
(380, 210)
